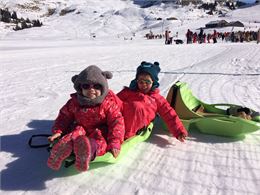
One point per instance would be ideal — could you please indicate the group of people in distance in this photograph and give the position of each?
(233, 36)
(95, 120)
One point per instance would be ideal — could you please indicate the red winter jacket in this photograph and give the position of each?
(90, 118)
(140, 109)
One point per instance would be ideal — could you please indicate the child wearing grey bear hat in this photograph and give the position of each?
(142, 102)
(90, 123)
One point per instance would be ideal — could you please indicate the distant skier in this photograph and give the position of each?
(195, 37)
(208, 37)
(200, 36)
(258, 36)
(189, 36)
(214, 37)
(168, 39)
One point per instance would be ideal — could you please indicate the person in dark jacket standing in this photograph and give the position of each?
(214, 37)
(189, 36)
(258, 36)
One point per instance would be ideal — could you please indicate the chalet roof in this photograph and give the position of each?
(218, 22)
(236, 23)
(223, 23)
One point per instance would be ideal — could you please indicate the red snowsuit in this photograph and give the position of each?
(104, 123)
(140, 109)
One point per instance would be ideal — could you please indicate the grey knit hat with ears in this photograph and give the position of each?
(91, 75)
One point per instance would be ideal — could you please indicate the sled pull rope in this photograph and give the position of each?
(39, 145)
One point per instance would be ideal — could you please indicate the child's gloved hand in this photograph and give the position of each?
(53, 137)
(115, 152)
(181, 137)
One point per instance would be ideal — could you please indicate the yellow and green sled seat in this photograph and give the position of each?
(214, 118)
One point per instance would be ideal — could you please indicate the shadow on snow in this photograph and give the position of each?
(29, 171)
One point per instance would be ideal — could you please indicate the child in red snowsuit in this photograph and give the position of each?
(91, 122)
(142, 101)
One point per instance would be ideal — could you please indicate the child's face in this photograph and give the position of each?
(144, 82)
(91, 90)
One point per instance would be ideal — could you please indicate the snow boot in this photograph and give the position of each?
(82, 150)
(60, 152)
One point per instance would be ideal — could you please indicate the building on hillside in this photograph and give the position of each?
(216, 24)
(236, 23)
(187, 2)
(223, 23)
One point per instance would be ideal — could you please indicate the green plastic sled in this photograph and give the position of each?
(125, 147)
(214, 118)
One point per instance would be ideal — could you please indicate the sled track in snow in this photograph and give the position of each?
(239, 85)
(195, 73)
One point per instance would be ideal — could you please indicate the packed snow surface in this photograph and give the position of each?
(35, 80)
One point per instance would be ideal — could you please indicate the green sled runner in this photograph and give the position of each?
(108, 158)
(209, 118)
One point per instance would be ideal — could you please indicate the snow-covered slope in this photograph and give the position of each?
(110, 19)
(35, 80)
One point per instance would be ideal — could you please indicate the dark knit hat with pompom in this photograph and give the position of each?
(152, 69)
(91, 75)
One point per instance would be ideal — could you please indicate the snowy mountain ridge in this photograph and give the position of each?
(83, 19)
(37, 65)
